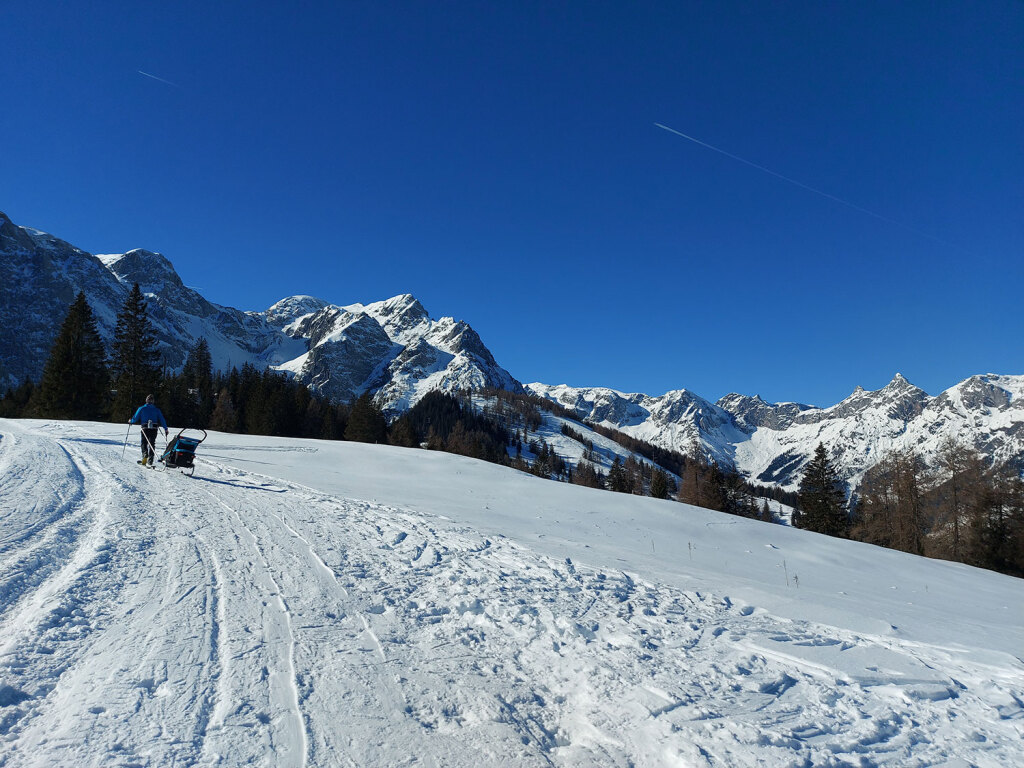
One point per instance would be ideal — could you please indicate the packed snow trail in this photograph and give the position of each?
(242, 618)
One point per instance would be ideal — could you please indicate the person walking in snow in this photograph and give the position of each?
(151, 419)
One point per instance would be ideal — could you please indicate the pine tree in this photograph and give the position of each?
(822, 498)
(712, 488)
(588, 475)
(224, 418)
(198, 369)
(135, 360)
(75, 383)
(736, 496)
(15, 402)
(197, 375)
(618, 479)
(366, 423)
(659, 484)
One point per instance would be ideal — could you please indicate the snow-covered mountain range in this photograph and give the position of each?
(394, 349)
(771, 442)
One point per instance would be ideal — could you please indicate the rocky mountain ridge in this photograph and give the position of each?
(770, 443)
(392, 347)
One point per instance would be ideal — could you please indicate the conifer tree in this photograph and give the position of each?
(75, 383)
(224, 417)
(689, 485)
(712, 488)
(736, 496)
(822, 498)
(659, 484)
(403, 434)
(588, 475)
(618, 480)
(961, 470)
(16, 402)
(366, 423)
(198, 378)
(890, 510)
(135, 360)
(996, 525)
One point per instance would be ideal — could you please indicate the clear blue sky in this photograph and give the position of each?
(501, 162)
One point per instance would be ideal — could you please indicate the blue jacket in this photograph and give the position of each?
(149, 413)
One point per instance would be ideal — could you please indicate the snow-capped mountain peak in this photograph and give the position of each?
(287, 311)
(403, 317)
(899, 400)
(771, 442)
(753, 412)
(391, 347)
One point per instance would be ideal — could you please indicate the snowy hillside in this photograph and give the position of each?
(679, 420)
(303, 603)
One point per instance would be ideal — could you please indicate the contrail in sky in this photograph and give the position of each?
(810, 189)
(161, 79)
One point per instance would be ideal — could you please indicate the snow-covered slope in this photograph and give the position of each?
(771, 442)
(303, 603)
(596, 449)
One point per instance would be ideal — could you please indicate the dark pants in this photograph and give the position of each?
(149, 442)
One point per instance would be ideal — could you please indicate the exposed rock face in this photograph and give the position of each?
(753, 412)
(391, 347)
(40, 276)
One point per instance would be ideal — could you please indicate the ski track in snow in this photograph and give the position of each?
(234, 619)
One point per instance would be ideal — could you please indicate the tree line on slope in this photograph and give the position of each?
(963, 510)
(82, 379)
(648, 470)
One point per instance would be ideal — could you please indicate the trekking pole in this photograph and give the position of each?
(151, 446)
(126, 434)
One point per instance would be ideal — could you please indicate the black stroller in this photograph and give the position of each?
(181, 451)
